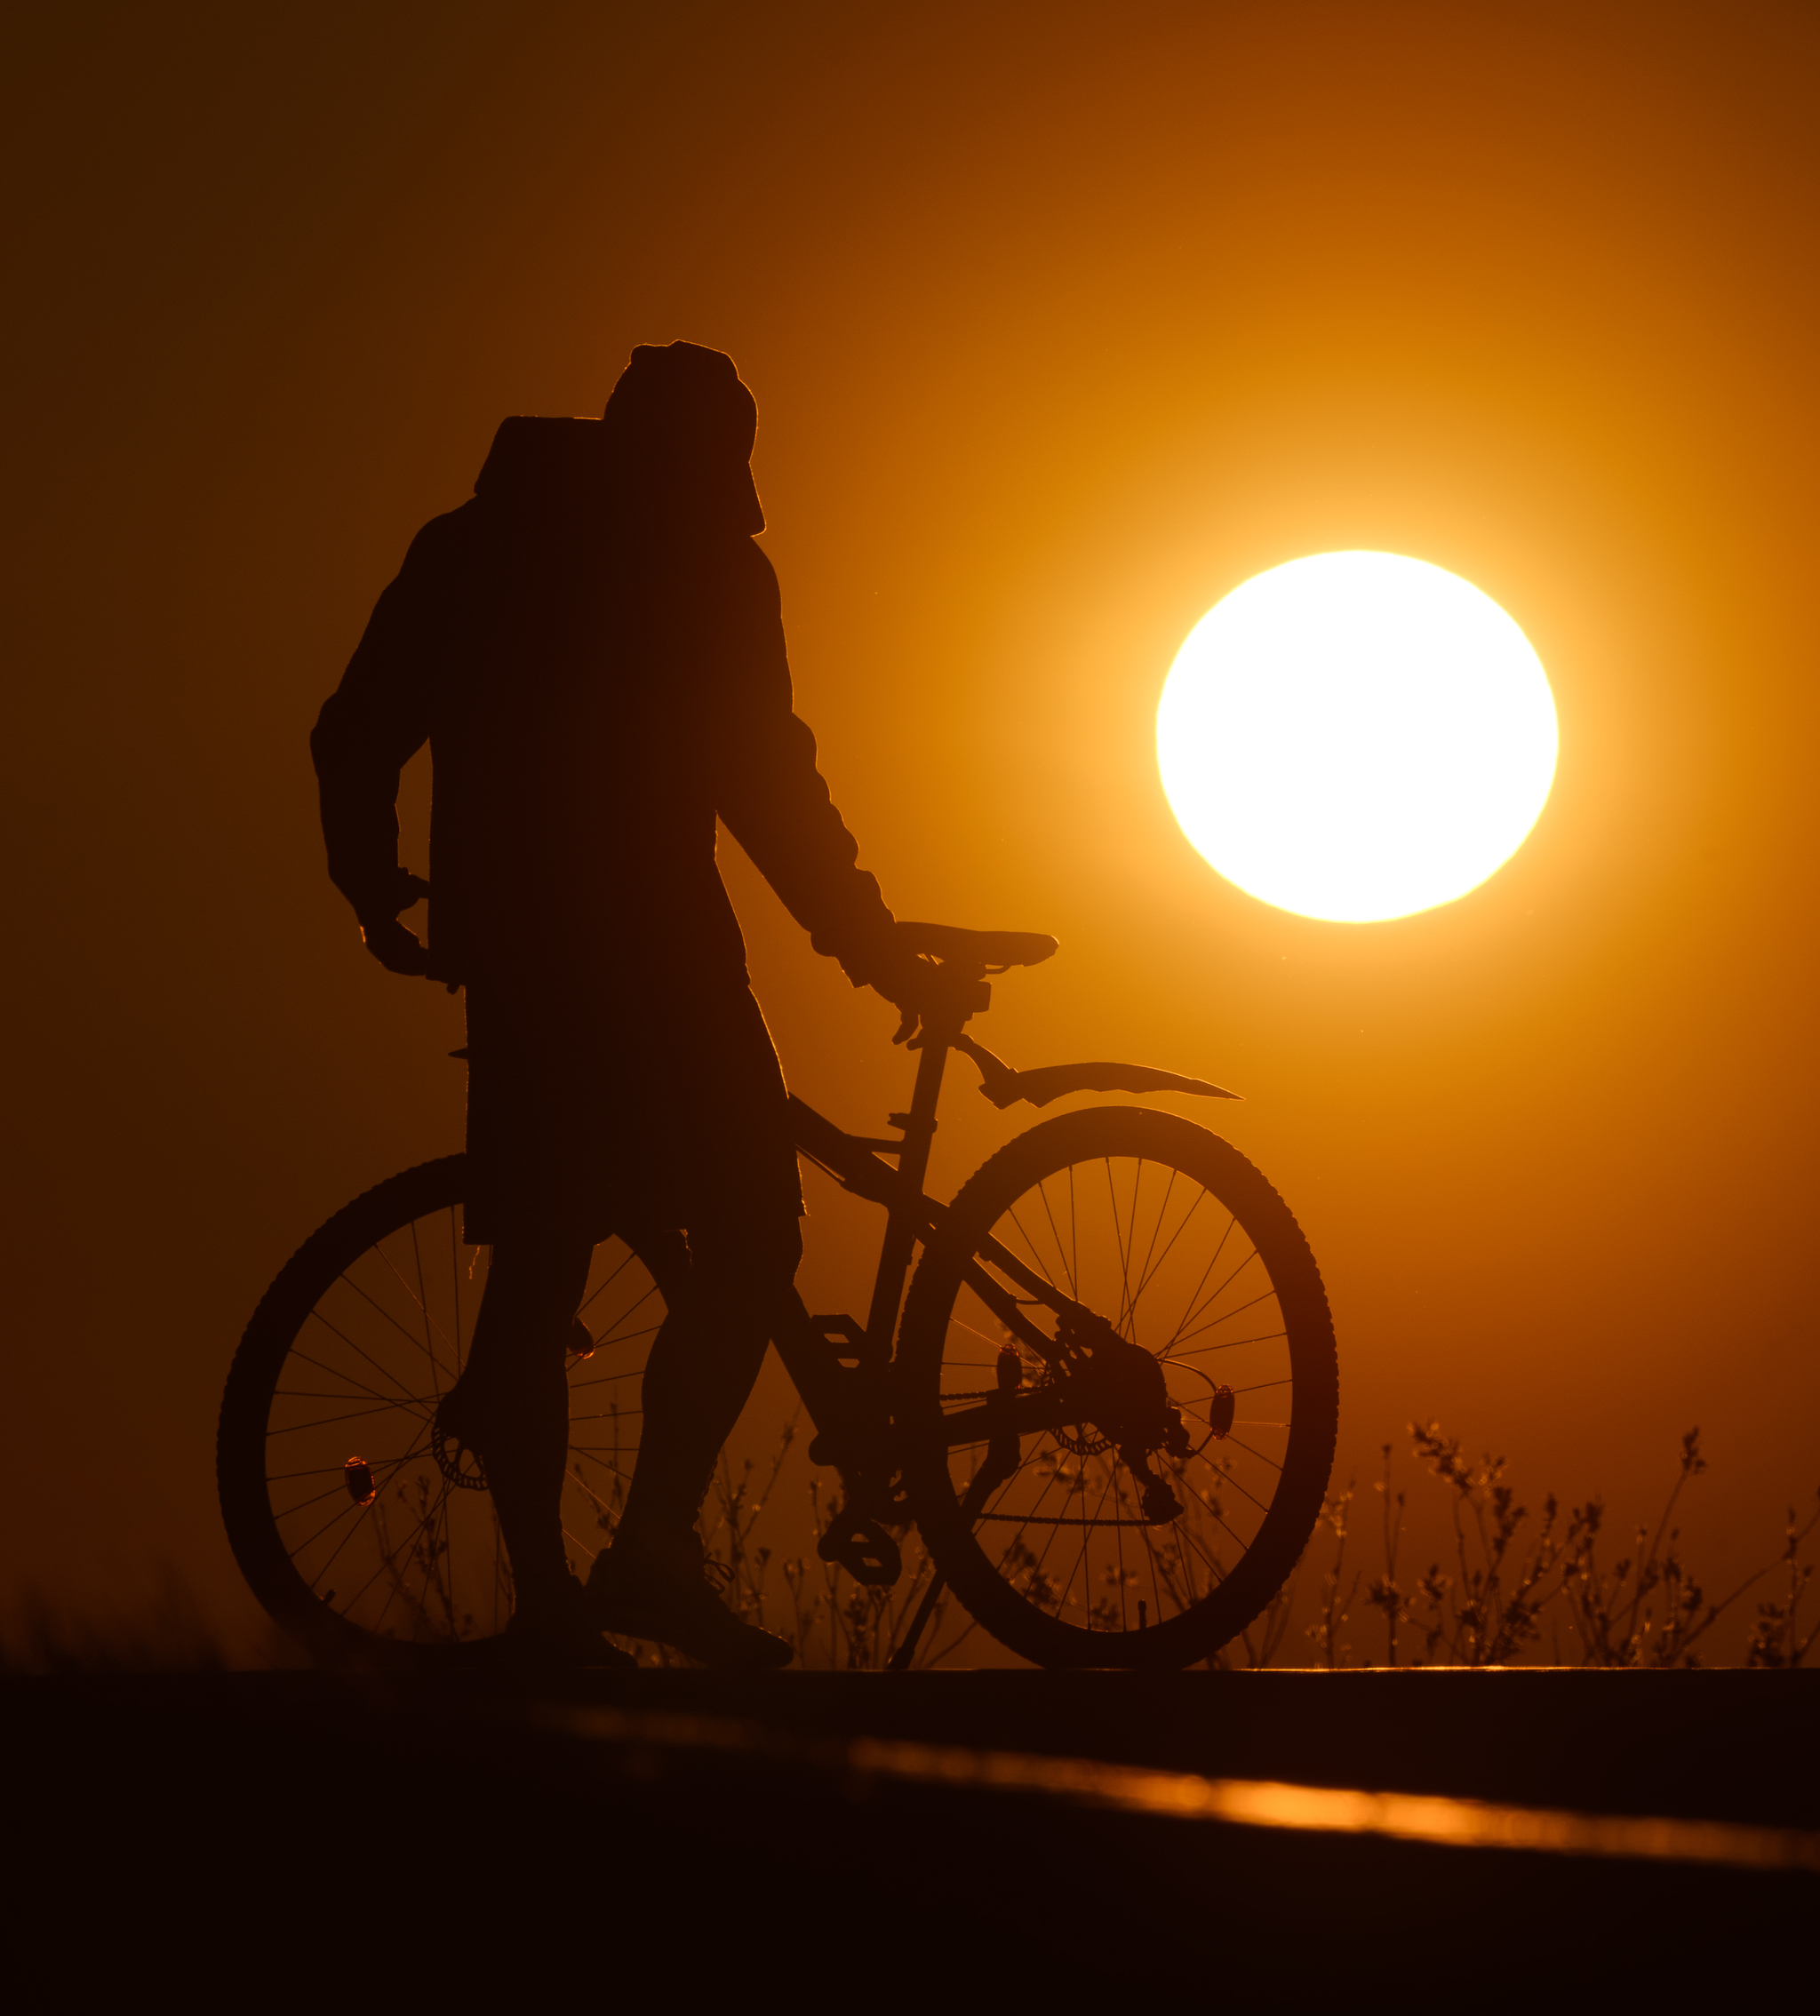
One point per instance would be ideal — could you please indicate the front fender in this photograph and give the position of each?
(1003, 1086)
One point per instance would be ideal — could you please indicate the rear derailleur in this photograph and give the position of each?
(1123, 1393)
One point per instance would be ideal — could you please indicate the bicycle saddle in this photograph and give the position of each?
(978, 948)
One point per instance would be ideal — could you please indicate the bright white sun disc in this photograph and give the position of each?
(1356, 736)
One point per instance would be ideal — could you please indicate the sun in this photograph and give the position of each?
(1356, 736)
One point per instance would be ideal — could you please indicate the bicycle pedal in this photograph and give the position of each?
(848, 1335)
(863, 1548)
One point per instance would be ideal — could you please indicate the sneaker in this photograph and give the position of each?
(562, 1638)
(660, 1589)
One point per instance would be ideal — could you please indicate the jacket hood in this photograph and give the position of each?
(673, 449)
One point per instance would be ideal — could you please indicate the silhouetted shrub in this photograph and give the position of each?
(1508, 1577)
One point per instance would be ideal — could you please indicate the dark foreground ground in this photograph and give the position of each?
(854, 1840)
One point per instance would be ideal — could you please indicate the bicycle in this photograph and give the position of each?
(1107, 1401)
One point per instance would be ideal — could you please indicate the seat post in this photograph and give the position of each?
(918, 1125)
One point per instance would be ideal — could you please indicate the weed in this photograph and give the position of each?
(1509, 1576)
(1778, 1639)
(833, 1621)
(1335, 1609)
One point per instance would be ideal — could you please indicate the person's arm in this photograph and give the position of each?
(775, 801)
(369, 729)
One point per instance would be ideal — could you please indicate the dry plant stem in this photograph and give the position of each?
(1778, 1639)
(1336, 1608)
(834, 1623)
(1272, 1627)
(1382, 1592)
(1485, 1616)
(1616, 1630)
(1645, 1610)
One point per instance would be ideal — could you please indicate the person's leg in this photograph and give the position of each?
(649, 1583)
(705, 1362)
(511, 1405)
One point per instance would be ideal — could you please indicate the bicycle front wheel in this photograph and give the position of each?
(1118, 1392)
(343, 1521)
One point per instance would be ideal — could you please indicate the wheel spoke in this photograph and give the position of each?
(1241, 1489)
(425, 1570)
(614, 1276)
(416, 1295)
(359, 1413)
(1259, 1453)
(336, 1489)
(455, 1279)
(334, 1330)
(1150, 1272)
(1148, 1241)
(1213, 1322)
(379, 1310)
(616, 1336)
(625, 1476)
(423, 1302)
(372, 1392)
(1119, 1239)
(1144, 1273)
(427, 1519)
(1194, 1299)
(1268, 1295)
(1232, 1344)
(1036, 1259)
(580, 1545)
(1073, 1287)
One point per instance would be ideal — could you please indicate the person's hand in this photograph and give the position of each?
(906, 980)
(396, 949)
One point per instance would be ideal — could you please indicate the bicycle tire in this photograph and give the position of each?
(258, 1522)
(1024, 1619)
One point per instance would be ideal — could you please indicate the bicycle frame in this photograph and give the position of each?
(843, 1370)
(882, 1395)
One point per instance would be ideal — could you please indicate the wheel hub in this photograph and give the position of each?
(1124, 1400)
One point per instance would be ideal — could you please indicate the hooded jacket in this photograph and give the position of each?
(593, 650)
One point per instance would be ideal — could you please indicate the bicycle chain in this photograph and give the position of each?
(1076, 1444)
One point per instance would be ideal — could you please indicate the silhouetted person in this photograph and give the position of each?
(592, 649)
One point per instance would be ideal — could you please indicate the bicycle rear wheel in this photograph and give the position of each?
(1094, 1504)
(342, 1520)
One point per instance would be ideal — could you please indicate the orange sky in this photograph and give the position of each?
(1062, 320)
